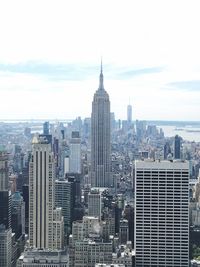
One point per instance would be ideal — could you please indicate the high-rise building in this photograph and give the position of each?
(100, 138)
(4, 171)
(46, 128)
(123, 231)
(5, 208)
(177, 147)
(18, 214)
(162, 213)
(94, 203)
(45, 224)
(25, 193)
(167, 150)
(129, 114)
(65, 198)
(75, 153)
(41, 190)
(5, 213)
(5, 246)
(58, 229)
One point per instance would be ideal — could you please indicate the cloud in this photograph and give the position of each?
(71, 72)
(129, 73)
(76, 72)
(193, 85)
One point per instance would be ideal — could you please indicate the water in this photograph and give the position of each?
(187, 133)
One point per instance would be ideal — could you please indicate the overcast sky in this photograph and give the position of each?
(50, 52)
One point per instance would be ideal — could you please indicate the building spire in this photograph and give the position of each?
(101, 86)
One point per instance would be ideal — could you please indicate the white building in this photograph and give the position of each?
(162, 213)
(41, 197)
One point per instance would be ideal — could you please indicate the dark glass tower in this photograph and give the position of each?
(177, 147)
(5, 208)
(100, 137)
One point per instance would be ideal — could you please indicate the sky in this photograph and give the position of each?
(50, 53)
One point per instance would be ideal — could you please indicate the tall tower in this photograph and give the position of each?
(41, 191)
(177, 147)
(129, 114)
(75, 153)
(4, 171)
(100, 137)
(162, 213)
(5, 213)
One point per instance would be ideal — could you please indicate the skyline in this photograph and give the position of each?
(52, 51)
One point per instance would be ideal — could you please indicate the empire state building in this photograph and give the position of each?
(100, 137)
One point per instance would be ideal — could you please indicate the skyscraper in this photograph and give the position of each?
(167, 150)
(65, 198)
(75, 153)
(4, 171)
(95, 203)
(100, 137)
(177, 147)
(5, 213)
(162, 213)
(129, 114)
(41, 178)
(46, 128)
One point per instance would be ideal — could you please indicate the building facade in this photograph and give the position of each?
(75, 153)
(41, 186)
(43, 258)
(94, 203)
(65, 198)
(162, 213)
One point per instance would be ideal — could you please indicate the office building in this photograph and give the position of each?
(25, 193)
(46, 128)
(4, 171)
(88, 253)
(100, 138)
(5, 246)
(18, 214)
(167, 150)
(58, 229)
(123, 231)
(5, 208)
(5, 213)
(129, 115)
(43, 258)
(43, 229)
(162, 213)
(94, 203)
(177, 147)
(75, 153)
(65, 198)
(41, 178)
